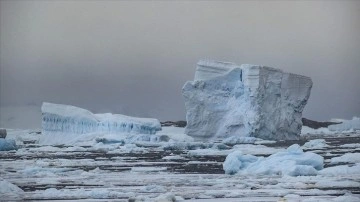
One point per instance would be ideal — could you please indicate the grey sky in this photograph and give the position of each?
(134, 57)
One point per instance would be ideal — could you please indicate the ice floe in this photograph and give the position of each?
(315, 144)
(9, 191)
(7, 144)
(293, 162)
(348, 158)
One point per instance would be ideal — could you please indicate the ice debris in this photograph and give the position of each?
(9, 191)
(7, 144)
(342, 170)
(57, 118)
(167, 197)
(315, 144)
(343, 127)
(249, 100)
(292, 162)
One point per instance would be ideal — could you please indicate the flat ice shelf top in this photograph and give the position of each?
(72, 111)
(207, 69)
(66, 111)
(108, 117)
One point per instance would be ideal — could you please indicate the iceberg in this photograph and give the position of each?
(226, 99)
(346, 125)
(57, 118)
(3, 133)
(7, 144)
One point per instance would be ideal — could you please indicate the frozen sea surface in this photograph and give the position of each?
(175, 170)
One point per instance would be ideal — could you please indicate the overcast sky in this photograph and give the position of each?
(134, 57)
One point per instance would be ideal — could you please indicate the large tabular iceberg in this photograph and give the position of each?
(248, 100)
(70, 119)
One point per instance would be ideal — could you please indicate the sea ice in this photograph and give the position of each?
(166, 197)
(92, 139)
(57, 118)
(342, 170)
(315, 144)
(348, 157)
(352, 145)
(96, 193)
(345, 126)
(249, 100)
(348, 198)
(292, 162)
(307, 130)
(239, 140)
(337, 183)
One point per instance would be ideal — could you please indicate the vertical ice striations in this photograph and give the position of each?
(69, 119)
(248, 100)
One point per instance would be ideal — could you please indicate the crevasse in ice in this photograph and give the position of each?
(70, 119)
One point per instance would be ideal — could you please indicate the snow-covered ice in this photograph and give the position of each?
(315, 144)
(342, 170)
(239, 140)
(349, 157)
(248, 100)
(9, 190)
(57, 118)
(293, 162)
(176, 134)
(307, 130)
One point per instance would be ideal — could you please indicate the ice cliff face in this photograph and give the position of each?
(70, 119)
(248, 100)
